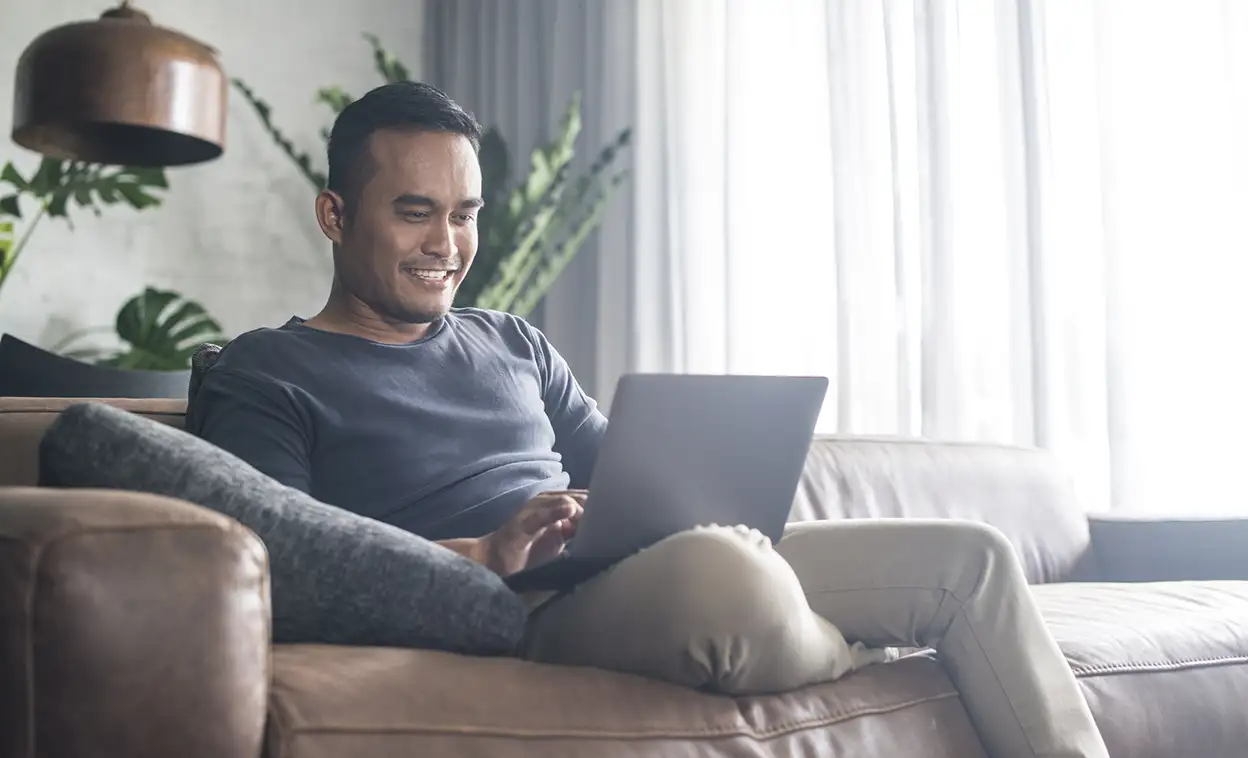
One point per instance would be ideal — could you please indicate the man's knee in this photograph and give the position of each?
(727, 610)
(715, 608)
(725, 579)
(982, 547)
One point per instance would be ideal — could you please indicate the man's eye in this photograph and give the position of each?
(467, 218)
(414, 215)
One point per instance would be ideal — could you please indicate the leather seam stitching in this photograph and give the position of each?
(779, 730)
(36, 568)
(1130, 667)
(36, 558)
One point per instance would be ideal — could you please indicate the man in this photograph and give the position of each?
(467, 427)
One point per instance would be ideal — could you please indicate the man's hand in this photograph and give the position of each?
(535, 534)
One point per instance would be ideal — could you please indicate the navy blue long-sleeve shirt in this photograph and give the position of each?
(445, 437)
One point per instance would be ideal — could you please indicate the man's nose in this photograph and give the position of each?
(440, 241)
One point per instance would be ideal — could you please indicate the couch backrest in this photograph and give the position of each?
(1020, 491)
(23, 421)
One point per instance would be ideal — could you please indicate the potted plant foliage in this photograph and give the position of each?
(154, 327)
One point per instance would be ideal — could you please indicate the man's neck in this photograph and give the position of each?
(348, 315)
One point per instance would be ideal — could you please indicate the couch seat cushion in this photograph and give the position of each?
(1164, 666)
(364, 702)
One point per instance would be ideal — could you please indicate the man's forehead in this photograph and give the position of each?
(404, 146)
(423, 161)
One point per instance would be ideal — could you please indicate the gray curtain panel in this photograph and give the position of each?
(516, 65)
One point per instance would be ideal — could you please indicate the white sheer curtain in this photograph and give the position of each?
(1003, 220)
(1168, 162)
(855, 189)
(990, 220)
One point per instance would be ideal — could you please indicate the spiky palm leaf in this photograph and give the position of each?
(56, 182)
(6, 242)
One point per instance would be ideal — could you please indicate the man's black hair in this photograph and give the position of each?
(406, 106)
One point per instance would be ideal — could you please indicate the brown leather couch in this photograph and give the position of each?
(138, 626)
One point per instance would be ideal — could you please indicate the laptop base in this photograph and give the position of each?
(559, 574)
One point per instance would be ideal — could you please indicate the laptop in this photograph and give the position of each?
(683, 451)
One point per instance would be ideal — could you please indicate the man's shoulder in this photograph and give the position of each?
(271, 356)
(509, 328)
(484, 318)
(257, 348)
(257, 368)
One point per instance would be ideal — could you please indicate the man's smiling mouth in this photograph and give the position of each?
(431, 274)
(436, 277)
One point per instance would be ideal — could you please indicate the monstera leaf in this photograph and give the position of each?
(160, 329)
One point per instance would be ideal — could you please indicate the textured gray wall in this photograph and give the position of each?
(238, 233)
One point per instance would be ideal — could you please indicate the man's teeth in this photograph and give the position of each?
(431, 275)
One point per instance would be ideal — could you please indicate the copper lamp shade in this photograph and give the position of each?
(122, 91)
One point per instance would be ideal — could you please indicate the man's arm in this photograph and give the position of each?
(257, 421)
(261, 424)
(578, 424)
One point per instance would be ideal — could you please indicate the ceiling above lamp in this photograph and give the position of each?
(120, 90)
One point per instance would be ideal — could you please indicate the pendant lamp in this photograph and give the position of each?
(120, 90)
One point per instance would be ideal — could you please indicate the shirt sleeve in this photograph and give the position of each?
(579, 425)
(255, 420)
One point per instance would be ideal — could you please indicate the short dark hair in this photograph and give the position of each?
(407, 106)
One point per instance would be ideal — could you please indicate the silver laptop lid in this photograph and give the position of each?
(687, 450)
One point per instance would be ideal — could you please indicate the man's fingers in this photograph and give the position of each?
(544, 511)
(578, 495)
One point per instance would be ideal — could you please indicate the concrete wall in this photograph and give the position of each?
(237, 234)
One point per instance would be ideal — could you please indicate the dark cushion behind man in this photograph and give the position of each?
(337, 577)
(201, 360)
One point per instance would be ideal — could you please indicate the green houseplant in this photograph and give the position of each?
(58, 184)
(528, 233)
(159, 331)
(154, 326)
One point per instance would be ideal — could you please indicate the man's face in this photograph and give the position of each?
(407, 243)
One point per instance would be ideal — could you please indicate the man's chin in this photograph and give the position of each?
(426, 313)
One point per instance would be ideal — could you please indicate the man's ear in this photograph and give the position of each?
(331, 214)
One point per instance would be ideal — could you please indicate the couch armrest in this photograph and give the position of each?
(1128, 549)
(130, 625)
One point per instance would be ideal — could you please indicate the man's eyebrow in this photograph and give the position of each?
(425, 201)
(408, 198)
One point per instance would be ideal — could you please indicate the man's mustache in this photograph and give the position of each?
(435, 264)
